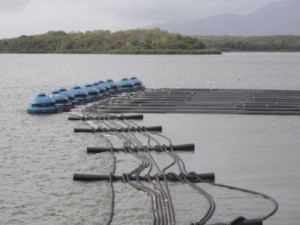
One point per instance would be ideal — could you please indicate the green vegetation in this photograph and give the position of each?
(142, 41)
(255, 43)
(154, 41)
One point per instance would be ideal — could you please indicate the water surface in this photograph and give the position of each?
(39, 154)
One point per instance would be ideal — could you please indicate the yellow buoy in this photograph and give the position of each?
(237, 78)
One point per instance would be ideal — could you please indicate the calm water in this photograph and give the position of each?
(39, 154)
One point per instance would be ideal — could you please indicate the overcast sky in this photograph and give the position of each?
(18, 17)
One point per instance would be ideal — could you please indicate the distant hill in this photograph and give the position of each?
(277, 18)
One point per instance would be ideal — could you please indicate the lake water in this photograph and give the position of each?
(39, 154)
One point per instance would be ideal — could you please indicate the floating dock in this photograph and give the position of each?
(221, 101)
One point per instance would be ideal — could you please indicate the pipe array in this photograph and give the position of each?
(149, 176)
(222, 101)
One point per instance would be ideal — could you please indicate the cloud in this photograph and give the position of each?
(171, 10)
(18, 17)
(12, 5)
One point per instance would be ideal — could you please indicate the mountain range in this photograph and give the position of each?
(277, 18)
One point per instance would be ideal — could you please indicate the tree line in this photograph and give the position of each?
(139, 41)
(144, 41)
(254, 43)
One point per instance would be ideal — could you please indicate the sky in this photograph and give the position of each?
(29, 17)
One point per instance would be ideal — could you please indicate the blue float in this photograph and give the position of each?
(92, 91)
(61, 101)
(137, 84)
(107, 87)
(79, 94)
(42, 104)
(69, 95)
(101, 89)
(124, 85)
(112, 85)
(101, 82)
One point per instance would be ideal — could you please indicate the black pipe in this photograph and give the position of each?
(220, 92)
(131, 117)
(212, 101)
(203, 107)
(121, 117)
(75, 118)
(200, 101)
(243, 222)
(221, 110)
(211, 111)
(125, 129)
(183, 147)
(92, 177)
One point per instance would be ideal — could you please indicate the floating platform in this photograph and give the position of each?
(222, 101)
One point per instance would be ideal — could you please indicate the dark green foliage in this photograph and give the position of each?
(142, 41)
(255, 43)
(154, 41)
